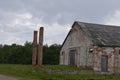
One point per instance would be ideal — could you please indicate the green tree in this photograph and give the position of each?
(51, 54)
(18, 54)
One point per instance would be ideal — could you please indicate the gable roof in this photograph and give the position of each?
(101, 35)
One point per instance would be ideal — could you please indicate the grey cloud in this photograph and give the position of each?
(69, 9)
(76, 9)
(49, 12)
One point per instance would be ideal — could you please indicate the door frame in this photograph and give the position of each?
(73, 56)
(106, 66)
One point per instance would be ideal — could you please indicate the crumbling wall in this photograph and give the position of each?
(113, 58)
(81, 43)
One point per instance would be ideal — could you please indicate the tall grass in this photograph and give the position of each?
(27, 72)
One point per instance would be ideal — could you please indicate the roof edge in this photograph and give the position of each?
(67, 35)
(97, 24)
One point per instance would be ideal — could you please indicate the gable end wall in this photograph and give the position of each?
(79, 41)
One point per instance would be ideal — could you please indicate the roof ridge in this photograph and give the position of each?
(97, 24)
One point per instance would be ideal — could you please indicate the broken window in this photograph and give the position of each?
(119, 51)
(90, 50)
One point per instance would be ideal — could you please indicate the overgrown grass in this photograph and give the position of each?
(63, 67)
(27, 72)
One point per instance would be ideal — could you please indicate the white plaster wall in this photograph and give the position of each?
(77, 39)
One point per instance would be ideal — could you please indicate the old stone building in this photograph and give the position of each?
(92, 45)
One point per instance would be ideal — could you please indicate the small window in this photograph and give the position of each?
(90, 50)
(119, 52)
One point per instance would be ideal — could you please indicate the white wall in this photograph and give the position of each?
(78, 40)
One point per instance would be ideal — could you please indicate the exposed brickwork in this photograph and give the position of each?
(40, 46)
(113, 58)
(34, 53)
(83, 37)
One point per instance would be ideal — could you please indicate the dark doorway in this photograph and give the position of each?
(72, 57)
(63, 54)
(104, 63)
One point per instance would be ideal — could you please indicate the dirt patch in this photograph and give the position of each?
(2, 77)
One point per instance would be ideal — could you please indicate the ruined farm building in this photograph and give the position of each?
(92, 45)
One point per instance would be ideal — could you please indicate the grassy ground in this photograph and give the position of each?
(27, 72)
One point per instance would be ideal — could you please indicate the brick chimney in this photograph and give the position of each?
(40, 46)
(34, 53)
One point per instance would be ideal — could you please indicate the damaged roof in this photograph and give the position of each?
(102, 35)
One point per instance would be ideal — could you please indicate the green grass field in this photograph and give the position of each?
(27, 72)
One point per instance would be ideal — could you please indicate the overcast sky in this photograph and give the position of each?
(19, 18)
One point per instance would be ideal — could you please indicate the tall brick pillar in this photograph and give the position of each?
(40, 47)
(34, 53)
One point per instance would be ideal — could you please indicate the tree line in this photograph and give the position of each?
(19, 54)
